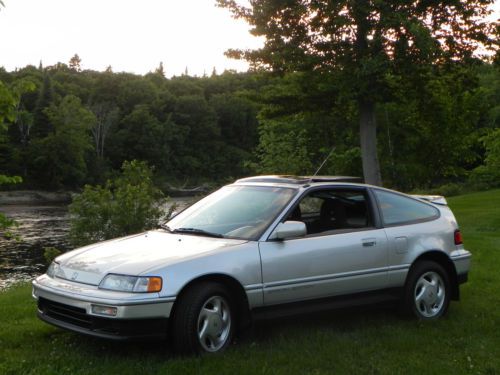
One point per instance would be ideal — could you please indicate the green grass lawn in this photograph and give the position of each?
(364, 341)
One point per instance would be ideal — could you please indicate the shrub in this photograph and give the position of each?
(127, 204)
(50, 253)
(488, 175)
(448, 190)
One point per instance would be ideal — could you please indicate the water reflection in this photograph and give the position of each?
(39, 227)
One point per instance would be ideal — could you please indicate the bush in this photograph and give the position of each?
(128, 204)
(50, 253)
(488, 175)
(448, 190)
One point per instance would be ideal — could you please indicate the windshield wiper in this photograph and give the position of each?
(200, 232)
(166, 227)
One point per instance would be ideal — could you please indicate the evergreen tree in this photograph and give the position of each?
(75, 63)
(41, 124)
(160, 69)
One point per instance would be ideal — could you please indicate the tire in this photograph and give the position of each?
(427, 291)
(204, 320)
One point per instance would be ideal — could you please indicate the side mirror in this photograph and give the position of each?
(289, 229)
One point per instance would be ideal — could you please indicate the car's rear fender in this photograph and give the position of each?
(444, 260)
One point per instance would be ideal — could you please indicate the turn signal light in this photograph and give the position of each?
(154, 284)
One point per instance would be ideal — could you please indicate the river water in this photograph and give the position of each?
(39, 227)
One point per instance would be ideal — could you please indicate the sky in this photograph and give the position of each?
(131, 36)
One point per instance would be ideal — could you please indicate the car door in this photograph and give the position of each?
(341, 253)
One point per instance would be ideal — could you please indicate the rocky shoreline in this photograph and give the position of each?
(41, 197)
(34, 197)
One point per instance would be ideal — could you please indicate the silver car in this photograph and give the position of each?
(261, 247)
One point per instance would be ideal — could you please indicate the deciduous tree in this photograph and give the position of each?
(363, 43)
(59, 158)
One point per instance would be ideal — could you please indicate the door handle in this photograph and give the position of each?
(369, 242)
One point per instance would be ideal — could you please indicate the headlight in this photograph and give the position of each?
(51, 271)
(55, 270)
(135, 284)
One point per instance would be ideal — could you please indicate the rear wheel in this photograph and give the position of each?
(203, 321)
(427, 291)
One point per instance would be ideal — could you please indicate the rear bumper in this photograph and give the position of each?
(462, 261)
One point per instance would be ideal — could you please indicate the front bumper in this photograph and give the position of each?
(69, 305)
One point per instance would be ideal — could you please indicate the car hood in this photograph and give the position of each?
(135, 255)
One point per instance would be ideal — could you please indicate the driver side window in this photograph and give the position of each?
(324, 211)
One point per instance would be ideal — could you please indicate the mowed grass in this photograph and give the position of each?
(373, 340)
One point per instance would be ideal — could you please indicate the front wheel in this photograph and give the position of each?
(427, 291)
(203, 321)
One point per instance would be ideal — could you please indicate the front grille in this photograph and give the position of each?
(108, 327)
(68, 314)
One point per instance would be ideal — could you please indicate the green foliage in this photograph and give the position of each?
(42, 126)
(488, 175)
(10, 179)
(7, 105)
(143, 137)
(282, 150)
(447, 190)
(59, 158)
(6, 225)
(128, 204)
(362, 46)
(9, 101)
(195, 130)
(50, 253)
(192, 130)
(429, 131)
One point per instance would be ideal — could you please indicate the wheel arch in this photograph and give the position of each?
(444, 260)
(234, 287)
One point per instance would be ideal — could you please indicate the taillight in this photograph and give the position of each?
(458, 237)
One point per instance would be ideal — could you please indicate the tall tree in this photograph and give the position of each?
(42, 126)
(160, 70)
(106, 115)
(7, 105)
(59, 158)
(75, 63)
(364, 44)
(9, 100)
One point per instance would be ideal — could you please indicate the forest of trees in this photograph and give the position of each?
(72, 127)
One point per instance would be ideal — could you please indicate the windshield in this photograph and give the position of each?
(233, 211)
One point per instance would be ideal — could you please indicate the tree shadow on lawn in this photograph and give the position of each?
(344, 320)
(261, 332)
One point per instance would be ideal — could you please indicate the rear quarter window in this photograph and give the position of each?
(398, 209)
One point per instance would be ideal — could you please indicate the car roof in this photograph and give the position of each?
(298, 180)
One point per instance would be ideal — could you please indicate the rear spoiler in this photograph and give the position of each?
(437, 199)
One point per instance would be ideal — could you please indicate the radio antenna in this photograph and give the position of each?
(324, 161)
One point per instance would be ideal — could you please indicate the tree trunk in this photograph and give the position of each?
(368, 137)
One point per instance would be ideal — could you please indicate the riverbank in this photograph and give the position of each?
(34, 197)
(40, 225)
(42, 197)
